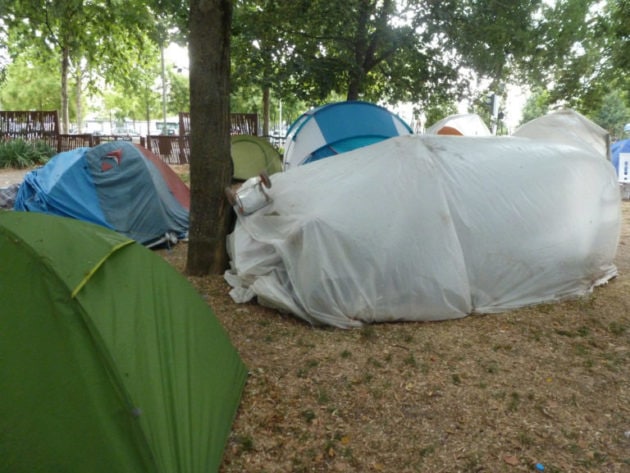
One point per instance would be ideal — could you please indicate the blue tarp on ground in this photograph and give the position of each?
(116, 185)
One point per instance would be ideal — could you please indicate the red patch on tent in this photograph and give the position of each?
(107, 164)
(175, 184)
(449, 130)
(115, 154)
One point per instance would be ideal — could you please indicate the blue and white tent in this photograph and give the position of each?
(339, 127)
(620, 156)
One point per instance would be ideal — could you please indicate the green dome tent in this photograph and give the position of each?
(110, 361)
(251, 155)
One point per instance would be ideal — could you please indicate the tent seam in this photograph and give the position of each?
(96, 267)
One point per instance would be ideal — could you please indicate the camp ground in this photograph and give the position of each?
(118, 185)
(434, 227)
(339, 127)
(111, 361)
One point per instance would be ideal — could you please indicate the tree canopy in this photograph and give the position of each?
(428, 53)
(100, 38)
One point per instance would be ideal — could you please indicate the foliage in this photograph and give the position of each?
(21, 154)
(178, 96)
(351, 48)
(137, 97)
(620, 34)
(435, 113)
(87, 38)
(394, 51)
(31, 84)
(537, 105)
(613, 114)
(389, 51)
(491, 39)
(577, 56)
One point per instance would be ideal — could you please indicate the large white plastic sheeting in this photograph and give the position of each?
(568, 126)
(421, 228)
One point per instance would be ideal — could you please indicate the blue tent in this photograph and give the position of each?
(117, 185)
(621, 166)
(339, 127)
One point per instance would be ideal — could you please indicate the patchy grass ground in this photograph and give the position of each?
(548, 385)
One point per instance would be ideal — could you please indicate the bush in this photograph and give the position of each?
(21, 154)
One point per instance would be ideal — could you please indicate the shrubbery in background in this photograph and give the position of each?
(23, 154)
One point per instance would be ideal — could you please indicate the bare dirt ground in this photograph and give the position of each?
(547, 385)
(11, 176)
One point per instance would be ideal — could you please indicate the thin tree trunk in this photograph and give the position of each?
(65, 65)
(79, 85)
(266, 107)
(210, 158)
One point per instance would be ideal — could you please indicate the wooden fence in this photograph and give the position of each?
(173, 149)
(176, 149)
(29, 125)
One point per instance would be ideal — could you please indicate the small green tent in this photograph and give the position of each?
(110, 361)
(251, 155)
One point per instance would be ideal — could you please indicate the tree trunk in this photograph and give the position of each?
(353, 90)
(65, 65)
(210, 158)
(147, 101)
(265, 130)
(79, 85)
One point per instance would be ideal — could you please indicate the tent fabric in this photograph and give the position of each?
(620, 158)
(252, 155)
(465, 124)
(337, 128)
(429, 228)
(109, 359)
(568, 126)
(117, 185)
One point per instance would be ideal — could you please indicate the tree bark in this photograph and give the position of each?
(265, 130)
(210, 158)
(78, 98)
(65, 66)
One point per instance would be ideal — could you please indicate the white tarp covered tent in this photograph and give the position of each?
(430, 228)
(568, 126)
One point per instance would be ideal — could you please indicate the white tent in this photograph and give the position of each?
(465, 124)
(430, 228)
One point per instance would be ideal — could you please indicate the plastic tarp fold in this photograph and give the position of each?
(430, 228)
